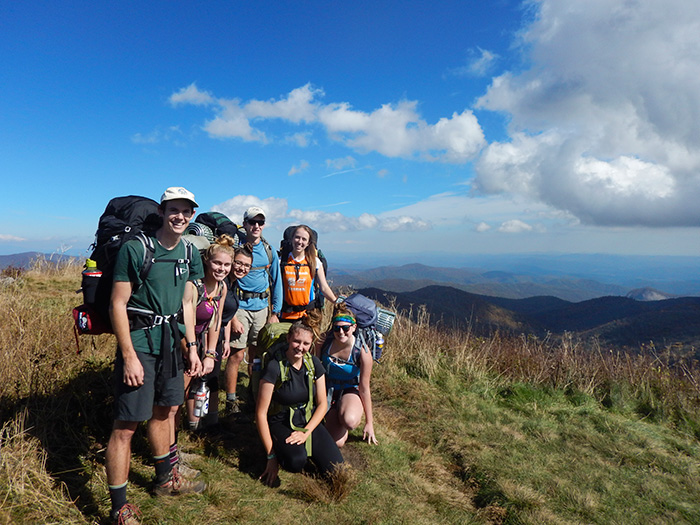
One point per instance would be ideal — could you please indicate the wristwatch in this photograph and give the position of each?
(191, 344)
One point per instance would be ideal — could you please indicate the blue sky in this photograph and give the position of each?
(393, 128)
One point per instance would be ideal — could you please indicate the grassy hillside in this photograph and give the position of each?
(471, 429)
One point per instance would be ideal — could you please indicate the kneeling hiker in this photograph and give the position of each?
(291, 405)
(149, 365)
(348, 364)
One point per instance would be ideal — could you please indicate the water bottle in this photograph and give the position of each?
(378, 346)
(91, 276)
(201, 400)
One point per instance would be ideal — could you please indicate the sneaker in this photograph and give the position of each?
(177, 485)
(127, 515)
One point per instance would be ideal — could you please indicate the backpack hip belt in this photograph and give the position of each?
(287, 308)
(140, 319)
(245, 295)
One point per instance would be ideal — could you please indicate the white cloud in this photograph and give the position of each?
(275, 208)
(514, 226)
(4, 237)
(337, 222)
(277, 213)
(232, 122)
(191, 95)
(398, 131)
(297, 107)
(303, 165)
(605, 123)
(482, 227)
(393, 130)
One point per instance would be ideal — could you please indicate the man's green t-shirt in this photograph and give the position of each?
(162, 290)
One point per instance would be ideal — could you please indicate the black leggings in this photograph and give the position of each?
(324, 452)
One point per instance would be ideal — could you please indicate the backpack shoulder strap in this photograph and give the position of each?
(149, 252)
(268, 250)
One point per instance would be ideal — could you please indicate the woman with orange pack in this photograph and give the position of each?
(303, 275)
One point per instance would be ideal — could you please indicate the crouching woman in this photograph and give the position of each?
(291, 406)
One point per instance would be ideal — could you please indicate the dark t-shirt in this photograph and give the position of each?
(294, 391)
(163, 288)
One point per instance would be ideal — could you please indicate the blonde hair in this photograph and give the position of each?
(223, 244)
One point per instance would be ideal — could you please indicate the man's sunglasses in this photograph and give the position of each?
(253, 222)
(344, 327)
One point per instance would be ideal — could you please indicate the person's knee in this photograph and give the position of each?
(123, 430)
(350, 418)
(236, 357)
(295, 463)
(161, 413)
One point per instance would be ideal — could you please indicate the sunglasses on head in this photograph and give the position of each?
(259, 222)
(344, 327)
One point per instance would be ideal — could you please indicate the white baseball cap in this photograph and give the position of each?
(176, 192)
(252, 212)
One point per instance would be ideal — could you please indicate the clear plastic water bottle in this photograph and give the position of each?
(201, 400)
(379, 346)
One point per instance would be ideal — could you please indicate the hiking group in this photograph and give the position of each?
(182, 298)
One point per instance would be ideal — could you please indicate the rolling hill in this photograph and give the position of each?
(620, 321)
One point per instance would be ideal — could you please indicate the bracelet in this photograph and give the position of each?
(210, 353)
(271, 455)
(191, 344)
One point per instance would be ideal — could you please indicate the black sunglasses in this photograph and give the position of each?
(253, 222)
(344, 327)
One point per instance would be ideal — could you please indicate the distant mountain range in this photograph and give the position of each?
(411, 277)
(23, 260)
(619, 321)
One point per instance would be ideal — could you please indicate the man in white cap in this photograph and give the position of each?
(149, 366)
(260, 300)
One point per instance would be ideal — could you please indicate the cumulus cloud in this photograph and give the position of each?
(275, 208)
(605, 122)
(191, 95)
(482, 227)
(514, 226)
(337, 222)
(303, 165)
(393, 130)
(277, 211)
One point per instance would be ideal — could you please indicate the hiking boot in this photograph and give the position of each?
(128, 514)
(186, 471)
(177, 485)
(232, 408)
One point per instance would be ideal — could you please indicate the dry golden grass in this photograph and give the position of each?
(28, 493)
